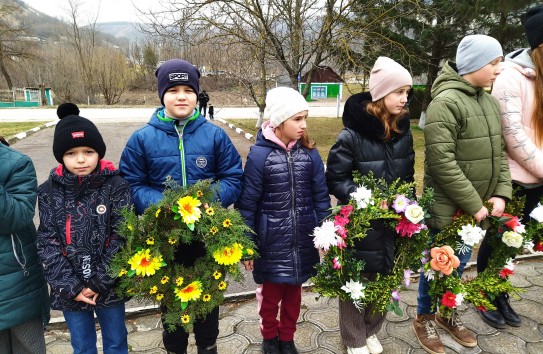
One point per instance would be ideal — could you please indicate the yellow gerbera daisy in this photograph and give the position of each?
(122, 272)
(217, 274)
(153, 289)
(210, 211)
(226, 223)
(206, 298)
(199, 194)
(164, 279)
(159, 296)
(185, 318)
(172, 241)
(193, 291)
(179, 281)
(150, 241)
(214, 230)
(229, 255)
(188, 209)
(222, 285)
(157, 212)
(144, 264)
(249, 251)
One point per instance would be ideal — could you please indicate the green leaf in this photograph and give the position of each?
(184, 305)
(177, 217)
(131, 273)
(191, 226)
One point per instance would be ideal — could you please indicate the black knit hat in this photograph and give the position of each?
(74, 131)
(533, 26)
(175, 72)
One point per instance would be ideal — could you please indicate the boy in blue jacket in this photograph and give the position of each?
(180, 143)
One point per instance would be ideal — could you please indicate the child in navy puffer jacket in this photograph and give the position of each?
(80, 208)
(284, 197)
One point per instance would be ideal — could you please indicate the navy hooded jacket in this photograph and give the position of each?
(284, 198)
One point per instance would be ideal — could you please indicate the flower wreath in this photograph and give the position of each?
(534, 228)
(447, 290)
(340, 273)
(146, 268)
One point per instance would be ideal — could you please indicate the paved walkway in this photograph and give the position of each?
(318, 331)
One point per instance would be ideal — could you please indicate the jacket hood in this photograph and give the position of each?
(450, 79)
(356, 117)
(521, 61)
(169, 126)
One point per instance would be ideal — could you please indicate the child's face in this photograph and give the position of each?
(293, 128)
(180, 101)
(81, 160)
(485, 76)
(396, 100)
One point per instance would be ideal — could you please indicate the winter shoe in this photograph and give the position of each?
(362, 350)
(509, 315)
(457, 330)
(425, 330)
(287, 347)
(493, 318)
(209, 350)
(374, 345)
(270, 346)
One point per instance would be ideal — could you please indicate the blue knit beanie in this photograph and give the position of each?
(176, 72)
(475, 51)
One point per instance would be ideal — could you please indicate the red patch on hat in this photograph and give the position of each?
(76, 135)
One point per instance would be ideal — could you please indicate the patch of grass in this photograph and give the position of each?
(325, 130)
(12, 128)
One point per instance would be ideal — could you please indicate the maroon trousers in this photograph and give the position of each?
(269, 295)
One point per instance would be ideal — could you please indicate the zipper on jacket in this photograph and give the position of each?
(290, 163)
(182, 154)
(68, 230)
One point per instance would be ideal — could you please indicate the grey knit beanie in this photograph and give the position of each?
(476, 51)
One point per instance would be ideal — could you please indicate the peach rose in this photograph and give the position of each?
(443, 259)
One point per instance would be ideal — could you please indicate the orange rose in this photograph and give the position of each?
(443, 259)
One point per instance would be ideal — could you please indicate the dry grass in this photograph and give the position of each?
(325, 130)
(12, 128)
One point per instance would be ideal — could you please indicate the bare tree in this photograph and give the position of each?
(111, 72)
(15, 45)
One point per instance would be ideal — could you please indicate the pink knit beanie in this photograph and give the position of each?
(387, 76)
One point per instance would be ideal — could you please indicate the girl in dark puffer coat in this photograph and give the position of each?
(377, 139)
(284, 197)
(80, 208)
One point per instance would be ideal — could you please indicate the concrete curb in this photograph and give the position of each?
(20, 136)
(240, 131)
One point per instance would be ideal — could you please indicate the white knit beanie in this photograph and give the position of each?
(282, 103)
(475, 51)
(387, 76)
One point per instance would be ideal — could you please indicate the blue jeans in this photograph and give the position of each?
(424, 300)
(83, 331)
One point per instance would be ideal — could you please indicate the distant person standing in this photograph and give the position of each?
(211, 112)
(203, 98)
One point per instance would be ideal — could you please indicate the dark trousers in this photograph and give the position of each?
(269, 295)
(533, 197)
(203, 108)
(206, 332)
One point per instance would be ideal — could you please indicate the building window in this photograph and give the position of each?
(319, 91)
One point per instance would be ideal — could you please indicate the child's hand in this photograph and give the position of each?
(481, 214)
(498, 206)
(248, 265)
(88, 296)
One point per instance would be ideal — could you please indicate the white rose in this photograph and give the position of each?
(537, 213)
(512, 239)
(414, 213)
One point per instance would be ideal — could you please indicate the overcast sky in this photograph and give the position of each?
(108, 10)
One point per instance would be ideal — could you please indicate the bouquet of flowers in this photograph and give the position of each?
(340, 272)
(146, 269)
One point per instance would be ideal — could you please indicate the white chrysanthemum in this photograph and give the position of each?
(537, 213)
(520, 229)
(471, 235)
(362, 197)
(429, 274)
(459, 299)
(529, 246)
(510, 264)
(325, 236)
(355, 288)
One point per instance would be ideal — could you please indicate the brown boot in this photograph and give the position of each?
(426, 333)
(456, 329)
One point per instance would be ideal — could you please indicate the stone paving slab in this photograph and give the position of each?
(318, 331)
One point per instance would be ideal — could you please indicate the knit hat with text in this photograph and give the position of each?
(74, 131)
(476, 51)
(387, 76)
(533, 26)
(283, 103)
(176, 72)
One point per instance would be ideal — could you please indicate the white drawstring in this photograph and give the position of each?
(23, 265)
